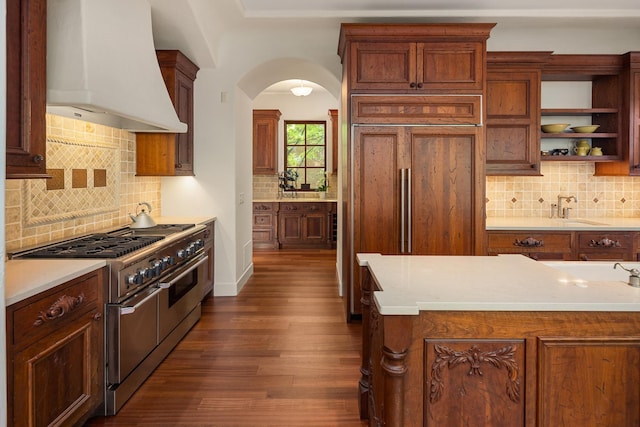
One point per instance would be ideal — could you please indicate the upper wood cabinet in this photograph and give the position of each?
(606, 109)
(169, 154)
(513, 112)
(630, 120)
(26, 88)
(265, 141)
(407, 58)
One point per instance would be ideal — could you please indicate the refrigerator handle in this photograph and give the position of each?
(409, 198)
(402, 207)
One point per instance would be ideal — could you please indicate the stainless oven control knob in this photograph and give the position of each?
(146, 273)
(186, 252)
(156, 268)
(168, 261)
(135, 279)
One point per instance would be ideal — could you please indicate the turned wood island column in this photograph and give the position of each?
(495, 341)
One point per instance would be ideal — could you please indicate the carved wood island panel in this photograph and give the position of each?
(498, 368)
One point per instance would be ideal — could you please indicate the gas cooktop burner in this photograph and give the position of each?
(94, 246)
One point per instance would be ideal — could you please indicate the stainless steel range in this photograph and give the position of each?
(153, 296)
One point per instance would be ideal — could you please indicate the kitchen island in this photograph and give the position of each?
(496, 341)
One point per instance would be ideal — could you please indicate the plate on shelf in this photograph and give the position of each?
(554, 127)
(585, 129)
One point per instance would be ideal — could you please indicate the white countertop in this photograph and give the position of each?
(296, 199)
(533, 223)
(25, 278)
(488, 283)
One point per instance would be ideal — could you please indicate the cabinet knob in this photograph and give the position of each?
(38, 158)
(97, 316)
(419, 85)
(412, 85)
(178, 165)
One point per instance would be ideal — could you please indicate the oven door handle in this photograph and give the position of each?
(132, 308)
(188, 269)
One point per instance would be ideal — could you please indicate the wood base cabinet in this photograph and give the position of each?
(305, 225)
(499, 369)
(55, 344)
(566, 245)
(294, 225)
(265, 225)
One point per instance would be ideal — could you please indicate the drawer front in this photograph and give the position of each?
(38, 317)
(530, 241)
(262, 220)
(418, 110)
(263, 207)
(602, 241)
(303, 207)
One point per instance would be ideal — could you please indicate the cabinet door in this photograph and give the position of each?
(383, 66)
(315, 228)
(442, 190)
(290, 228)
(513, 132)
(265, 141)
(26, 89)
(57, 381)
(184, 141)
(379, 156)
(454, 66)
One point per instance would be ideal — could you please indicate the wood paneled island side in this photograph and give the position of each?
(496, 341)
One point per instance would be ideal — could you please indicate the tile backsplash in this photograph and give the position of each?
(93, 186)
(265, 187)
(510, 196)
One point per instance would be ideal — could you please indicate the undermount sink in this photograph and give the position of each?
(579, 222)
(594, 271)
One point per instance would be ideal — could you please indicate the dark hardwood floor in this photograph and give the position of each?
(279, 354)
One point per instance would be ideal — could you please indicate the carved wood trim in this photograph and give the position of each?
(63, 305)
(604, 243)
(501, 358)
(529, 242)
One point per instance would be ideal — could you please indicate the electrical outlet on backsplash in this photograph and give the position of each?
(524, 196)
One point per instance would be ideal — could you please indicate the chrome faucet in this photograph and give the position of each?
(564, 212)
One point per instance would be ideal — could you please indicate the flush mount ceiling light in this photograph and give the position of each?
(301, 90)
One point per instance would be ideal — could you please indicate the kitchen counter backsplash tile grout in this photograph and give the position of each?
(598, 197)
(34, 216)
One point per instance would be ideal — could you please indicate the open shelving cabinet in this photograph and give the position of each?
(603, 71)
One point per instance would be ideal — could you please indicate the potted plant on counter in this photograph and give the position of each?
(323, 188)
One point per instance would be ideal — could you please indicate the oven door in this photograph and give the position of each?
(181, 293)
(132, 333)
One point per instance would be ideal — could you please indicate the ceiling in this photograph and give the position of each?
(197, 26)
(448, 8)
